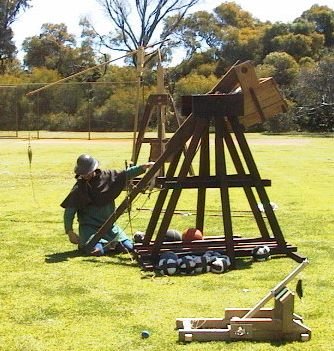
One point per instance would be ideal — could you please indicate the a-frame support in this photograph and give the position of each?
(270, 233)
(228, 113)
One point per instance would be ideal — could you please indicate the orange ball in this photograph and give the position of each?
(192, 234)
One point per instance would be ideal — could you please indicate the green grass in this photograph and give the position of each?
(53, 299)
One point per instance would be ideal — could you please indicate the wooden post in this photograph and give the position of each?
(204, 172)
(224, 190)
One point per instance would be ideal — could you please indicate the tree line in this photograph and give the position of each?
(299, 55)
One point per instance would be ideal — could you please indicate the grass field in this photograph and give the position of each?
(53, 299)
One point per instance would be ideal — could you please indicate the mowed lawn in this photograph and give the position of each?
(53, 299)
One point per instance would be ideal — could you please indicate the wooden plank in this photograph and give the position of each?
(259, 323)
(240, 251)
(204, 334)
(240, 312)
(224, 190)
(204, 173)
(212, 182)
(217, 105)
(201, 323)
(262, 102)
(246, 76)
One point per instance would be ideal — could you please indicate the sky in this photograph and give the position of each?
(70, 11)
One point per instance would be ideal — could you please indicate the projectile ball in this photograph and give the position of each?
(167, 266)
(225, 258)
(169, 255)
(145, 334)
(138, 237)
(192, 234)
(261, 253)
(210, 255)
(219, 265)
(173, 235)
(202, 264)
(186, 265)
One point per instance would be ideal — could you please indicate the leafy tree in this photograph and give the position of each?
(231, 14)
(199, 31)
(9, 10)
(227, 35)
(194, 84)
(270, 32)
(323, 19)
(283, 66)
(314, 93)
(193, 65)
(242, 44)
(296, 45)
(56, 49)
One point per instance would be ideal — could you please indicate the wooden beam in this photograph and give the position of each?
(204, 173)
(224, 189)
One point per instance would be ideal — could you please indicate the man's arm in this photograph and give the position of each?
(69, 215)
(135, 171)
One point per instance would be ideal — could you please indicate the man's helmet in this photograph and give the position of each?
(85, 164)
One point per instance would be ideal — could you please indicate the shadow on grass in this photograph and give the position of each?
(118, 259)
(61, 256)
(243, 264)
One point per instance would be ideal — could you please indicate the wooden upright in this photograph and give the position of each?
(239, 100)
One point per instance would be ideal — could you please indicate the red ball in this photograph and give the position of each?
(192, 234)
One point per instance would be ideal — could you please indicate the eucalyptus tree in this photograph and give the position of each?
(56, 49)
(323, 19)
(136, 26)
(226, 35)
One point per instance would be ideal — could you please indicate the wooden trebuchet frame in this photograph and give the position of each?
(238, 100)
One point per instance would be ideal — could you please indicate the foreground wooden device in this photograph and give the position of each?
(261, 324)
(238, 100)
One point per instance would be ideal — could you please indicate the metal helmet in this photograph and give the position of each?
(85, 164)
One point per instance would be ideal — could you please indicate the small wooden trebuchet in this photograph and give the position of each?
(239, 99)
(159, 104)
(258, 323)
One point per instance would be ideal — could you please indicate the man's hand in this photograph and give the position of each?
(73, 237)
(147, 165)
